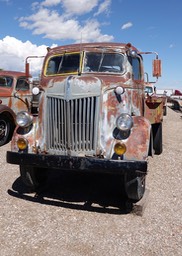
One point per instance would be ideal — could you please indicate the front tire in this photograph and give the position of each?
(157, 138)
(5, 130)
(151, 147)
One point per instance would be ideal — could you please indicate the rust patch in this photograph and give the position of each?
(154, 109)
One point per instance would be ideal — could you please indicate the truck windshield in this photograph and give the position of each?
(103, 62)
(93, 62)
(6, 81)
(65, 63)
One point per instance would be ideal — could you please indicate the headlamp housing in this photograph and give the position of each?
(35, 91)
(124, 122)
(24, 119)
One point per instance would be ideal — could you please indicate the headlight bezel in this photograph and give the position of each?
(24, 119)
(124, 122)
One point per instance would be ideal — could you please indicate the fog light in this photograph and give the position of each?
(22, 143)
(120, 148)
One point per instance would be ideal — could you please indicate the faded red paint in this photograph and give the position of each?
(139, 139)
(8, 94)
(154, 109)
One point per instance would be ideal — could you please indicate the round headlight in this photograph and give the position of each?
(124, 122)
(35, 91)
(24, 119)
(119, 90)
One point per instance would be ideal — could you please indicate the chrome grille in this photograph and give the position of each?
(71, 125)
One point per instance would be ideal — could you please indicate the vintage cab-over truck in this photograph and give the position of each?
(14, 89)
(90, 113)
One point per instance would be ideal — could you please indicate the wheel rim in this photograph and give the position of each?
(3, 129)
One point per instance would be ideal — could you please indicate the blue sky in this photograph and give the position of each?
(28, 27)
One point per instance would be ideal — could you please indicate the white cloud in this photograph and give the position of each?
(13, 53)
(79, 7)
(91, 32)
(104, 7)
(51, 2)
(171, 46)
(127, 25)
(59, 27)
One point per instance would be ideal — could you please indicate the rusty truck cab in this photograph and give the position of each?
(88, 113)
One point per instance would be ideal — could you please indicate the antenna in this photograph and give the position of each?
(81, 39)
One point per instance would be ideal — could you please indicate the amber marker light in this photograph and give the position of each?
(120, 148)
(22, 143)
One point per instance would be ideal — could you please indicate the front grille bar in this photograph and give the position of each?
(71, 125)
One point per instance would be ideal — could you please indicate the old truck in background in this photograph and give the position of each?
(176, 100)
(14, 94)
(89, 113)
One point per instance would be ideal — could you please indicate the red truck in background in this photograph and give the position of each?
(14, 94)
(90, 113)
(176, 100)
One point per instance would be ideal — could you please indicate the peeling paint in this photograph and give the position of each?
(78, 111)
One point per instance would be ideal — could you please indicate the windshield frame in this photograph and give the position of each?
(81, 65)
(60, 64)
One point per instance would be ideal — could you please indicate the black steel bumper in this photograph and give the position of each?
(77, 163)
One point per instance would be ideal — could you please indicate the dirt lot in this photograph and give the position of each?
(83, 214)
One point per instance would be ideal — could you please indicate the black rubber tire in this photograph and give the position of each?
(157, 138)
(32, 177)
(165, 111)
(151, 148)
(5, 130)
(135, 187)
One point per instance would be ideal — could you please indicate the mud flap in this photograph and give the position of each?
(135, 188)
(32, 177)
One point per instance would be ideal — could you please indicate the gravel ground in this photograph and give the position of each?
(79, 215)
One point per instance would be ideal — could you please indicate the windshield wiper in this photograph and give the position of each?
(60, 64)
(101, 60)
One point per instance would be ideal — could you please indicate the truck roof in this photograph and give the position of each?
(87, 46)
(14, 74)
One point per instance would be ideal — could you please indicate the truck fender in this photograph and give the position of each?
(139, 140)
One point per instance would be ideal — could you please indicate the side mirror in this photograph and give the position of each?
(157, 68)
(27, 69)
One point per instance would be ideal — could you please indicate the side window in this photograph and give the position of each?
(135, 62)
(6, 81)
(22, 84)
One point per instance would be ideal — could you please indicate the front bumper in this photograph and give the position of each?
(77, 163)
